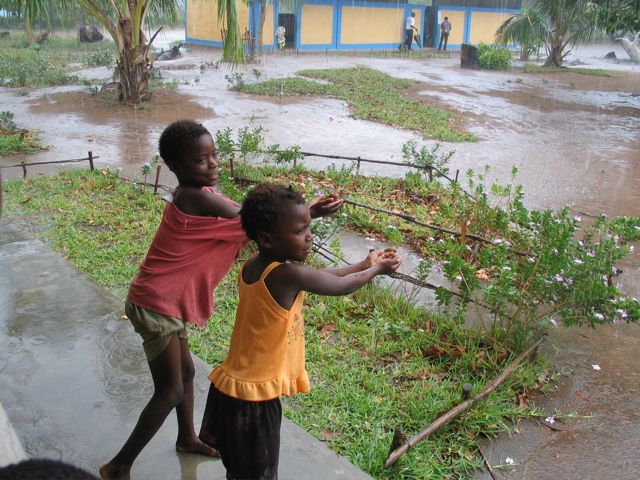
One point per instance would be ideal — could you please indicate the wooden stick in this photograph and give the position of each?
(432, 226)
(155, 187)
(460, 408)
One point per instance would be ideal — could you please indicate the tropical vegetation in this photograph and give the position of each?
(557, 24)
(125, 22)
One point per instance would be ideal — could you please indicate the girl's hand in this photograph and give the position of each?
(376, 257)
(325, 205)
(373, 259)
(390, 263)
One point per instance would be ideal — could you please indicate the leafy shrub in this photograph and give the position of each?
(494, 57)
(36, 72)
(99, 58)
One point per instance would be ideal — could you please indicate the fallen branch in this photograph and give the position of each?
(393, 457)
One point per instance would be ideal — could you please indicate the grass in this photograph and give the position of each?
(50, 64)
(376, 361)
(14, 140)
(371, 95)
(529, 68)
(54, 62)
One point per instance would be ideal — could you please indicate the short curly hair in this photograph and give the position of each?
(264, 207)
(178, 137)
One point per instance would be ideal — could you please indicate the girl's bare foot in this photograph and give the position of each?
(110, 472)
(197, 446)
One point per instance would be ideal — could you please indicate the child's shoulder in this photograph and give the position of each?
(203, 201)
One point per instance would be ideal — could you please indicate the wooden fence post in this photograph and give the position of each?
(155, 187)
(91, 160)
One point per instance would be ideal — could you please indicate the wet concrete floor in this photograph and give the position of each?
(74, 378)
(574, 138)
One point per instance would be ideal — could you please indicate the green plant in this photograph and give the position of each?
(99, 58)
(209, 64)
(160, 84)
(257, 73)
(250, 141)
(289, 155)
(6, 122)
(430, 159)
(94, 90)
(494, 57)
(14, 140)
(235, 80)
(155, 73)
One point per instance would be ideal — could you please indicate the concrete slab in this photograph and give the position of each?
(74, 377)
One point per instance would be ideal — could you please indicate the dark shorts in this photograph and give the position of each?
(155, 329)
(247, 435)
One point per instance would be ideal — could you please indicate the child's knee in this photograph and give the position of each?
(170, 394)
(188, 372)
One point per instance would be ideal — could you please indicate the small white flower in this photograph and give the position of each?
(509, 461)
(577, 219)
(550, 420)
(578, 261)
(596, 367)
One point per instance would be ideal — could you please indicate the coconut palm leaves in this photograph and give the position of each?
(558, 24)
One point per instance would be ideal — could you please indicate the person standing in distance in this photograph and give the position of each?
(445, 29)
(409, 28)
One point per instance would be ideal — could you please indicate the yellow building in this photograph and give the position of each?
(351, 25)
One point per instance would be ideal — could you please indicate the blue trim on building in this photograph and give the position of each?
(334, 32)
(337, 25)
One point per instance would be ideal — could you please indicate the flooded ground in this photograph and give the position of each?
(574, 138)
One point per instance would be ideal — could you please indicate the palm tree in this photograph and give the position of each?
(124, 20)
(558, 24)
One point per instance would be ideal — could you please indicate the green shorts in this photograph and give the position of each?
(155, 329)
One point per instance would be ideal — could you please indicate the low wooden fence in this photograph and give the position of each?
(23, 165)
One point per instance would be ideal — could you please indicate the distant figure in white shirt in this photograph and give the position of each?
(409, 28)
(280, 31)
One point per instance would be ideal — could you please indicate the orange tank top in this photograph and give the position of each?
(266, 356)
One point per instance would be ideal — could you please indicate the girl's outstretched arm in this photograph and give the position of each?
(372, 259)
(287, 280)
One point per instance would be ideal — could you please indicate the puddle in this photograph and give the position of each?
(574, 139)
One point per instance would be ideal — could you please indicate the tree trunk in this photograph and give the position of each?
(263, 17)
(132, 73)
(555, 57)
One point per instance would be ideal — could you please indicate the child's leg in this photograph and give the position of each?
(166, 371)
(188, 441)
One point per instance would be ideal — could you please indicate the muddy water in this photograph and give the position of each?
(575, 140)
